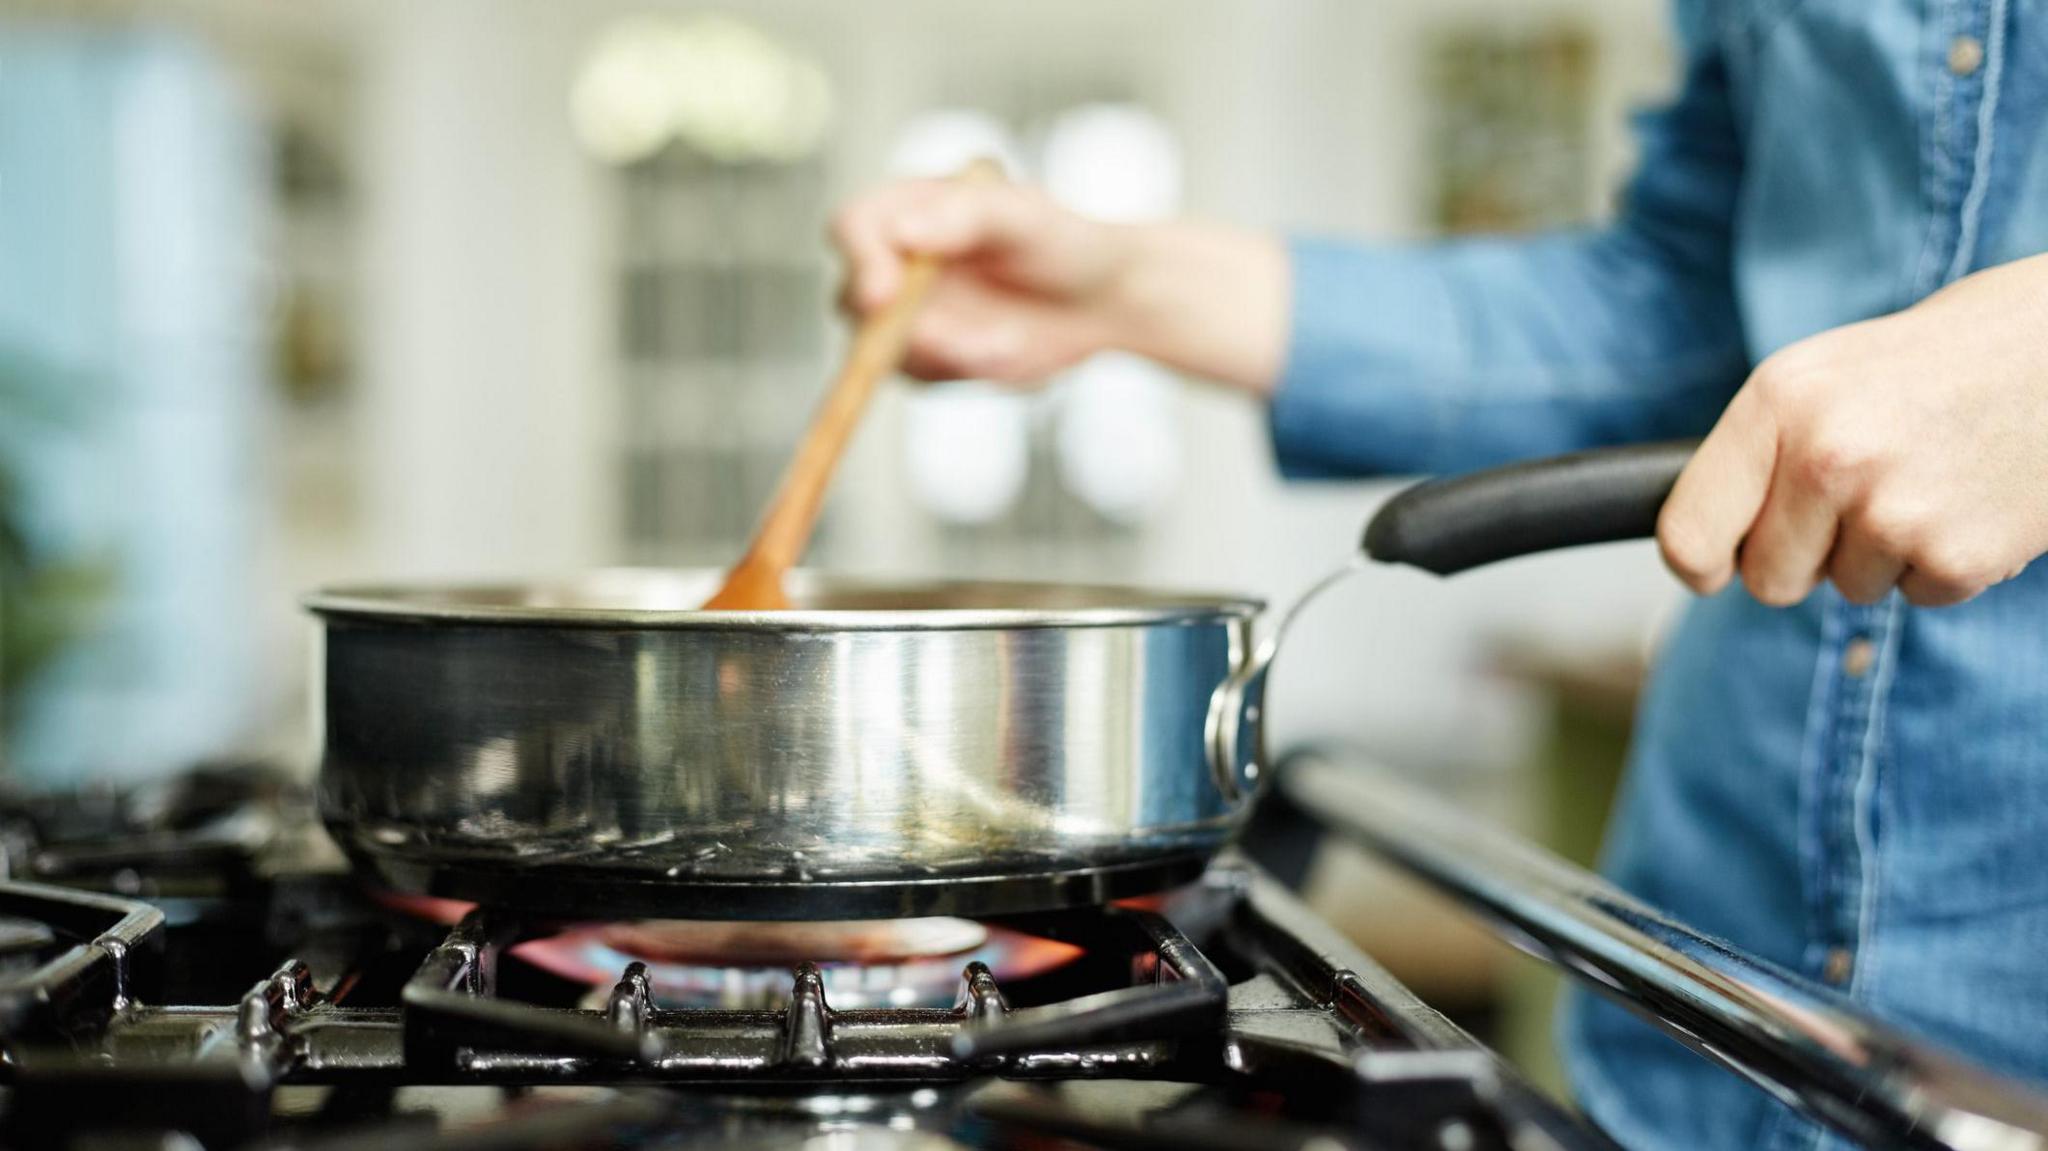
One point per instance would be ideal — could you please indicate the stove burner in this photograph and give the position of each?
(745, 966)
(432, 908)
(751, 944)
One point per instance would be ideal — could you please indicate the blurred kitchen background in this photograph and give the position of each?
(341, 289)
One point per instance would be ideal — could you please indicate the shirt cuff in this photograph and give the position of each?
(1348, 402)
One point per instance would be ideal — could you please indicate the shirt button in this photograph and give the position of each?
(1965, 55)
(1841, 963)
(1857, 657)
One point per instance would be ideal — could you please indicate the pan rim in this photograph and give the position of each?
(485, 603)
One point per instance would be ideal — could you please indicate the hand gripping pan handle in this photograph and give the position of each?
(1462, 522)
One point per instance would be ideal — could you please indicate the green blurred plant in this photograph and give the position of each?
(46, 602)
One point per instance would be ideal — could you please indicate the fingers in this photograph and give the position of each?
(1718, 496)
(1861, 567)
(945, 218)
(970, 329)
(874, 267)
(1788, 508)
(1785, 555)
(1940, 575)
(956, 338)
(952, 219)
(1929, 590)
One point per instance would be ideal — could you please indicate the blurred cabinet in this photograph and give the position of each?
(131, 172)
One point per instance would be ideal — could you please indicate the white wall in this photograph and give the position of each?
(485, 399)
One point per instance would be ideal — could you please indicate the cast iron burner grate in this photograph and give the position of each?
(1230, 1016)
(455, 1021)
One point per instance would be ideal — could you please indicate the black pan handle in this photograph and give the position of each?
(1462, 522)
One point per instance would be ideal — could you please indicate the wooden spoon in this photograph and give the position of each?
(755, 583)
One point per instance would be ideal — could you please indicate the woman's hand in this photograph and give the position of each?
(1030, 288)
(1909, 451)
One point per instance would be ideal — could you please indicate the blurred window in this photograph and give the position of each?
(724, 302)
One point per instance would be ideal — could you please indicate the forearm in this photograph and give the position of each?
(1439, 358)
(1208, 300)
(1449, 356)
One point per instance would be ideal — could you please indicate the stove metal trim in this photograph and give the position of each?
(90, 980)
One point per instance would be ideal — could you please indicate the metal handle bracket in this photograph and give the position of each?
(1236, 728)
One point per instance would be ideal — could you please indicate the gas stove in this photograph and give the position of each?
(194, 965)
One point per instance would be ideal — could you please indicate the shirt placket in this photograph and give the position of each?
(1844, 756)
(1839, 814)
(1842, 825)
(1841, 817)
(1957, 61)
(1840, 797)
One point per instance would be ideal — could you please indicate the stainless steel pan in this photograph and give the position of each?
(602, 747)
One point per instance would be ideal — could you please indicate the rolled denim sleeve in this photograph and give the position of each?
(1450, 356)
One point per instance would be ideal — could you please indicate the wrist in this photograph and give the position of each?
(1209, 301)
(1138, 299)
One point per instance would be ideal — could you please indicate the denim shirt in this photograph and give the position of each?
(1856, 793)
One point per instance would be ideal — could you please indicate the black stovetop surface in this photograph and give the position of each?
(192, 964)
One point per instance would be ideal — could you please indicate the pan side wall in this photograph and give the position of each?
(716, 756)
